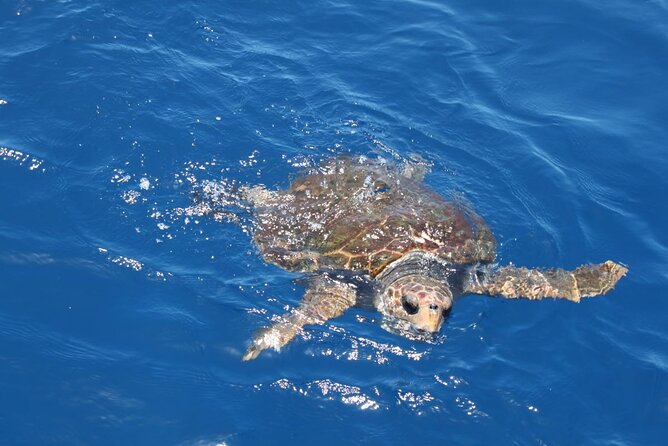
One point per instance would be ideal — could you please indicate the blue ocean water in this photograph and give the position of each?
(123, 322)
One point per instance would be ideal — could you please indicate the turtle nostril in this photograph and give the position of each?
(433, 307)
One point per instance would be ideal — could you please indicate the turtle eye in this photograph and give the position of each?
(409, 307)
(446, 312)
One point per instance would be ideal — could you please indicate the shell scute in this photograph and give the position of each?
(362, 217)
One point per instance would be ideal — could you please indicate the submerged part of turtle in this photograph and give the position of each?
(377, 222)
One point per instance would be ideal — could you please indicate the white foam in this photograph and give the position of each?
(144, 183)
(7, 154)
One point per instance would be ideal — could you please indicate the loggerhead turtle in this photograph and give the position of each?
(354, 222)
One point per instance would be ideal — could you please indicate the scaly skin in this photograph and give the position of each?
(518, 282)
(325, 298)
(431, 301)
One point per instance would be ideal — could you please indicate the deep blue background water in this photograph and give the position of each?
(123, 323)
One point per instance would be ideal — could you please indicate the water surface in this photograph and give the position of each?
(122, 322)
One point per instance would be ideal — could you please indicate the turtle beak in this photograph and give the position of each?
(429, 318)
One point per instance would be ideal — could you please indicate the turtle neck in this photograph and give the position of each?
(416, 263)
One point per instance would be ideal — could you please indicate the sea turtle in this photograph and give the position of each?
(360, 223)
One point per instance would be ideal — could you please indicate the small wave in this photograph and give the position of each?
(327, 389)
(56, 344)
(22, 159)
(134, 265)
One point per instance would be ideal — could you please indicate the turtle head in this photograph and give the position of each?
(419, 301)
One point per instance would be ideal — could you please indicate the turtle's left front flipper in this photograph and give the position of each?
(325, 298)
(517, 282)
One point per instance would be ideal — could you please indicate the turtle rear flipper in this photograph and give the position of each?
(518, 282)
(415, 167)
(325, 298)
(258, 195)
(219, 200)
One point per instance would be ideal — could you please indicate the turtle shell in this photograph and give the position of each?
(362, 215)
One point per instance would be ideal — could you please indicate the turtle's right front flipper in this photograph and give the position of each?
(325, 298)
(517, 282)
